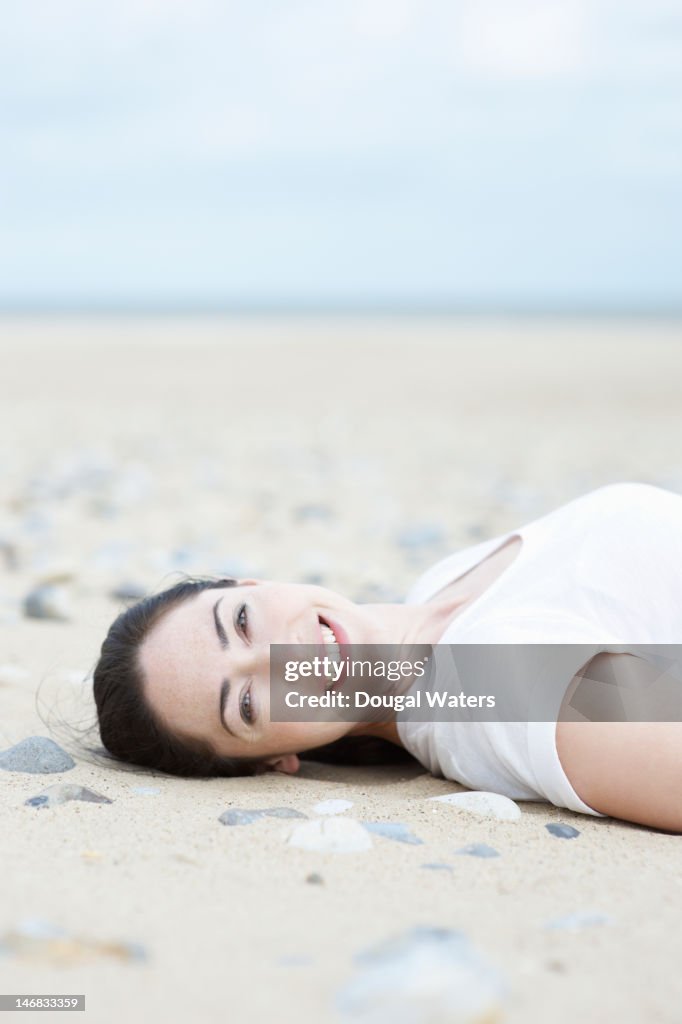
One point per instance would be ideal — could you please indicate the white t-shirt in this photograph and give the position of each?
(603, 570)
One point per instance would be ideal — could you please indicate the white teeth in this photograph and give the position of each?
(328, 634)
(331, 643)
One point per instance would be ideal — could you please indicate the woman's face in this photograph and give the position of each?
(224, 635)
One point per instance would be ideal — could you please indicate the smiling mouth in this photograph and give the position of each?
(332, 649)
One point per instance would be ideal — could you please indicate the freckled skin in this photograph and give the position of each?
(183, 663)
(628, 770)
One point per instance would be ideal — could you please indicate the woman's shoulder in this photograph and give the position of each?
(604, 511)
(608, 512)
(619, 496)
(628, 493)
(632, 512)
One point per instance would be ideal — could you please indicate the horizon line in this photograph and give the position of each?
(379, 307)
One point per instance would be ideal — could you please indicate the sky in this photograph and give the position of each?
(341, 153)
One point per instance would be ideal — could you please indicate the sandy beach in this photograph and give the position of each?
(352, 453)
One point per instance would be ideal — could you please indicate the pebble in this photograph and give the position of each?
(128, 590)
(424, 976)
(314, 878)
(236, 816)
(36, 755)
(50, 601)
(12, 675)
(483, 804)
(563, 831)
(51, 571)
(377, 593)
(579, 919)
(331, 835)
(436, 866)
(478, 850)
(62, 793)
(146, 790)
(40, 940)
(393, 830)
(10, 554)
(312, 511)
(420, 535)
(332, 806)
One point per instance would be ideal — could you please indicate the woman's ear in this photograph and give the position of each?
(287, 763)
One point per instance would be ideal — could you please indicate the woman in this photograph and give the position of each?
(183, 684)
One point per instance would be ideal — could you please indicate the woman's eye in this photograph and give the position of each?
(242, 619)
(245, 707)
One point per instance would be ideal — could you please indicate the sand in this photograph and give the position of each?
(352, 453)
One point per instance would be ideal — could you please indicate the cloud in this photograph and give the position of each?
(413, 143)
(525, 39)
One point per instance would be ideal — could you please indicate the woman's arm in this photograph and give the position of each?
(625, 769)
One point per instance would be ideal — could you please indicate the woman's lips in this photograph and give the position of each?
(342, 638)
(338, 631)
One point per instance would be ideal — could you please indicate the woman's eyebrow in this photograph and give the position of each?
(219, 628)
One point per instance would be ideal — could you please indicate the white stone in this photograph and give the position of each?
(12, 675)
(331, 835)
(485, 805)
(332, 806)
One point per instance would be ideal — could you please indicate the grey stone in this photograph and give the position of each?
(240, 816)
(128, 590)
(36, 755)
(237, 817)
(10, 554)
(436, 866)
(314, 878)
(62, 793)
(50, 601)
(370, 593)
(421, 535)
(424, 976)
(283, 812)
(478, 850)
(312, 511)
(393, 830)
(563, 831)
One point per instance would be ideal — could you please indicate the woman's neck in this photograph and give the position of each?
(414, 623)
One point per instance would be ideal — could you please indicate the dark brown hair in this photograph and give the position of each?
(128, 728)
(130, 731)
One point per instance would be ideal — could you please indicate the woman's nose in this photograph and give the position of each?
(251, 660)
